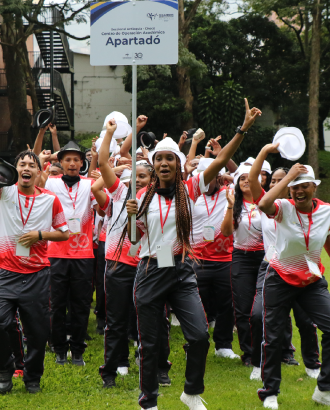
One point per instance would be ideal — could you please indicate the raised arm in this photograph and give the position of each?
(132, 209)
(95, 156)
(193, 146)
(227, 226)
(38, 142)
(229, 150)
(53, 131)
(127, 144)
(108, 175)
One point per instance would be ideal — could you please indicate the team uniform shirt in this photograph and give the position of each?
(103, 233)
(77, 203)
(292, 230)
(209, 211)
(117, 193)
(40, 213)
(248, 235)
(195, 187)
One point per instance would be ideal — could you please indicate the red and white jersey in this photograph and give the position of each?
(195, 187)
(103, 233)
(290, 247)
(248, 235)
(268, 226)
(118, 193)
(77, 203)
(39, 214)
(209, 211)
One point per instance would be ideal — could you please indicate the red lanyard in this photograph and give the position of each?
(20, 208)
(207, 207)
(310, 223)
(75, 199)
(249, 215)
(161, 214)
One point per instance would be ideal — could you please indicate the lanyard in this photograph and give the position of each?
(249, 215)
(207, 207)
(310, 223)
(20, 208)
(75, 199)
(161, 214)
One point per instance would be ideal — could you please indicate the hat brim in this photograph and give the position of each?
(4, 181)
(180, 155)
(303, 181)
(61, 153)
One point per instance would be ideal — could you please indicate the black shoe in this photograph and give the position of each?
(6, 383)
(33, 387)
(247, 362)
(109, 384)
(291, 361)
(163, 379)
(62, 358)
(87, 337)
(100, 326)
(77, 359)
(5, 387)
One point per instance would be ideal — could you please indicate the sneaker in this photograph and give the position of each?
(123, 371)
(109, 384)
(256, 374)
(174, 321)
(6, 383)
(151, 408)
(291, 361)
(212, 324)
(321, 397)
(194, 402)
(247, 362)
(313, 373)
(62, 358)
(77, 359)
(163, 379)
(228, 353)
(135, 344)
(5, 386)
(271, 402)
(18, 373)
(33, 387)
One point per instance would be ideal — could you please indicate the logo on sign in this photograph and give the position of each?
(138, 56)
(152, 16)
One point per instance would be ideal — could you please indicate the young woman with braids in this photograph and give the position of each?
(309, 342)
(164, 220)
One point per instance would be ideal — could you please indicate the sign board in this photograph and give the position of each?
(134, 32)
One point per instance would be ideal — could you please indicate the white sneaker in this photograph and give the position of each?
(151, 408)
(313, 373)
(212, 324)
(174, 321)
(228, 353)
(123, 371)
(271, 402)
(194, 402)
(322, 397)
(135, 344)
(256, 374)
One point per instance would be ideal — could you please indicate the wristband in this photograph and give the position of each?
(40, 235)
(229, 208)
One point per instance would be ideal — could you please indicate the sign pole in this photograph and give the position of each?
(134, 116)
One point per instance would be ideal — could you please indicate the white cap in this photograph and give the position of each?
(204, 163)
(126, 175)
(167, 144)
(113, 144)
(143, 162)
(249, 161)
(266, 167)
(242, 169)
(303, 178)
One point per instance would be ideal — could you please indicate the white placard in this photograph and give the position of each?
(134, 32)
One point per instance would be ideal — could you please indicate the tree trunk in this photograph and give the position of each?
(16, 85)
(314, 88)
(186, 94)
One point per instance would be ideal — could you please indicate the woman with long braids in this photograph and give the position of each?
(307, 329)
(164, 221)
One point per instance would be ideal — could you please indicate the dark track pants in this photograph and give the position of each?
(73, 277)
(30, 294)
(307, 329)
(278, 297)
(213, 279)
(177, 285)
(100, 271)
(244, 274)
(16, 342)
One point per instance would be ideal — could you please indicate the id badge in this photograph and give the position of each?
(133, 250)
(164, 252)
(22, 250)
(208, 233)
(313, 268)
(74, 226)
(270, 253)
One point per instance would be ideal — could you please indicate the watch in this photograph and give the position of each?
(239, 131)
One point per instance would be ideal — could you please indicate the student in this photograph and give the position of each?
(295, 273)
(27, 214)
(164, 222)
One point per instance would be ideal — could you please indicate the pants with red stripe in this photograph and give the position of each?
(30, 294)
(278, 298)
(307, 330)
(244, 274)
(213, 279)
(177, 285)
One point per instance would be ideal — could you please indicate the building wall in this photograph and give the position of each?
(98, 91)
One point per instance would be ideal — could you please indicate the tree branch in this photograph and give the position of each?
(297, 32)
(190, 17)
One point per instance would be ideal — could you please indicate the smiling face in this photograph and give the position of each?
(142, 177)
(71, 164)
(165, 167)
(276, 178)
(302, 194)
(244, 184)
(28, 171)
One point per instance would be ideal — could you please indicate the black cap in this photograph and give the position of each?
(69, 147)
(8, 174)
(44, 117)
(147, 139)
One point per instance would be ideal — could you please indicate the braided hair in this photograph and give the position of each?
(238, 204)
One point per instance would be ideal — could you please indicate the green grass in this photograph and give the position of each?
(227, 382)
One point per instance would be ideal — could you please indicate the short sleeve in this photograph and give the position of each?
(58, 221)
(141, 222)
(6, 192)
(196, 186)
(281, 210)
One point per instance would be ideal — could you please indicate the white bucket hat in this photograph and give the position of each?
(249, 161)
(266, 167)
(126, 175)
(113, 144)
(303, 178)
(123, 127)
(167, 144)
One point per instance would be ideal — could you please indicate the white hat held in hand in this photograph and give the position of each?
(167, 144)
(126, 175)
(303, 178)
(123, 127)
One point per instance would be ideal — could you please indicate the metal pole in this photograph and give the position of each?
(134, 93)
(51, 65)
